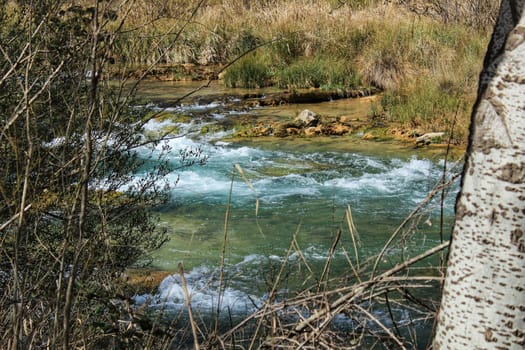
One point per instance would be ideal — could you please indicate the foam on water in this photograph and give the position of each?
(193, 183)
(347, 173)
(183, 107)
(202, 286)
(231, 155)
(273, 190)
(203, 289)
(157, 125)
(56, 142)
(397, 178)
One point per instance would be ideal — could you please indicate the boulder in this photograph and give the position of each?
(306, 119)
(280, 130)
(369, 136)
(262, 130)
(347, 120)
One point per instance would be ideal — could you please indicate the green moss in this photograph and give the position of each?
(174, 117)
(211, 128)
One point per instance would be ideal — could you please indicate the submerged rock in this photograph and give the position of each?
(346, 120)
(293, 131)
(262, 130)
(313, 131)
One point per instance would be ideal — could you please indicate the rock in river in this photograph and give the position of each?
(306, 118)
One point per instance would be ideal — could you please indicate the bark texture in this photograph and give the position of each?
(483, 304)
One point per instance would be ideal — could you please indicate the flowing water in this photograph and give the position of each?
(283, 188)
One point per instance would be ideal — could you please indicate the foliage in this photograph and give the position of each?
(356, 4)
(317, 72)
(425, 103)
(73, 216)
(333, 44)
(250, 71)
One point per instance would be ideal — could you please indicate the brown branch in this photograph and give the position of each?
(358, 290)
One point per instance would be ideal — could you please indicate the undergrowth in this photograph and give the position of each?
(427, 69)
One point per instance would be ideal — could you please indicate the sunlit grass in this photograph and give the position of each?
(427, 69)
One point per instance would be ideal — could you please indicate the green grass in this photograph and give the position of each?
(251, 71)
(317, 73)
(425, 67)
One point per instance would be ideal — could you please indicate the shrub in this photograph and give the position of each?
(290, 46)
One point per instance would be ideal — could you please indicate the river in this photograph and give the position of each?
(274, 190)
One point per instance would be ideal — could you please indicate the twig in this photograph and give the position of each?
(14, 217)
(353, 232)
(326, 268)
(188, 304)
(358, 290)
(380, 324)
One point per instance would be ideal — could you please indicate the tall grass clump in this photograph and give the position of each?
(445, 64)
(356, 4)
(317, 73)
(251, 71)
(384, 62)
(289, 45)
(424, 103)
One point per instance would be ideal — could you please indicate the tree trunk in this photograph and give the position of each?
(483, 304)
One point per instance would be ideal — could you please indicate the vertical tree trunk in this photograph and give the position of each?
(483, 304)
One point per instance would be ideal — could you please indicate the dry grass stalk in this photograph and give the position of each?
(187, 296)
(353, 232)
(436, 190)
(306, 320)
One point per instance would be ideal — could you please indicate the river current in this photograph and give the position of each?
(286, 200)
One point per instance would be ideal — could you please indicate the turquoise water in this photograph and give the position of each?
(283, 189)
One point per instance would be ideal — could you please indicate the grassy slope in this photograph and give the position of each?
(427, 69)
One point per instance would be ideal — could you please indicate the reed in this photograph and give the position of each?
(319, 72)
(251, 71)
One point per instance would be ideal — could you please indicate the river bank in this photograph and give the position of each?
(365, 123)
(426, 70)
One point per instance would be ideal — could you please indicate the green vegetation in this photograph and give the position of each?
(73, 217)
(426, 65)
(251, 71)
(318, 73)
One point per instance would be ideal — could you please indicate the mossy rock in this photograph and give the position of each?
(166, 130)
(170, 130)
(210, 128)
(182, 118)
(174, 117)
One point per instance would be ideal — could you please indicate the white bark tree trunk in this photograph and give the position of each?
(483, 304)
